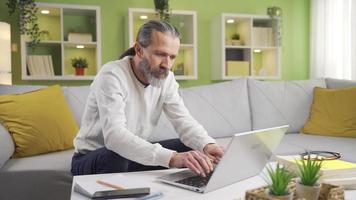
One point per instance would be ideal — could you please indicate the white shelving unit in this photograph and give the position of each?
(257, 52)
(61, 20)
(186, 64)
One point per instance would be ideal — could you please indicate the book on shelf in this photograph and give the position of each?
(263, 36)
(88, 187)
(40, 65)
(337, 172)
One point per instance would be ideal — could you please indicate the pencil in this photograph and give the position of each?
(118, 187)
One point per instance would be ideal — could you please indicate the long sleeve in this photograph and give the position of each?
(190, 131)
(110, 94)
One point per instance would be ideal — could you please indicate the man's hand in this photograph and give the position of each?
(194, 160)
(214, 152)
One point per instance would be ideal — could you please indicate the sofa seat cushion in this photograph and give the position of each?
(297, 143)
(56, 161)
(281, 102)
(37, 177)
(223, 109)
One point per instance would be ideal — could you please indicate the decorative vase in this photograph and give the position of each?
(79, 71)
(288, 196)
(308, 192)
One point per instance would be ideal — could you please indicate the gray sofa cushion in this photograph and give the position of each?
(222, 109)
(339, 83)
(7, 146)
(76, 98)
(50, 172)
(17, 89)
(281, 102)
(297, 143)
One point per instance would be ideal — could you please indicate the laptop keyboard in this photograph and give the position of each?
(195, 181)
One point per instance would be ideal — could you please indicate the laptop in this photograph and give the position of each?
(246, 156)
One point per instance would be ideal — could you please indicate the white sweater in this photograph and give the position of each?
(121, 113)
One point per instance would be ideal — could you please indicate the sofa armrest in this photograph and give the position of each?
(339, 83)
(7, 146)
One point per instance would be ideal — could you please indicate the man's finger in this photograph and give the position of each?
(210, 163)
(202, 161)
(192, 167)
(195, 162)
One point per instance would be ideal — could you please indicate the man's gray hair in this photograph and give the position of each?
(145, 33)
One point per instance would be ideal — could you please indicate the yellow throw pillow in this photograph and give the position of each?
(333, 113)
(38, 121)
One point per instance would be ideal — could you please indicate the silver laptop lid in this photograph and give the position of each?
(246, 156)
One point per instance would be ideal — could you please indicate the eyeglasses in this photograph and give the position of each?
(320, 155)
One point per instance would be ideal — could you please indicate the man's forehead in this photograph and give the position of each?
(160, 37)
(164, 41)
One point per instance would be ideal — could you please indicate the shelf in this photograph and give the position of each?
(49, 42)
(59, 77)
(52, 49)
(79, 21)
(185, 66)
(245, 46)
(237, 47)
(264, 63)
(50, 24)
(70, 31)
(71, 52)
(82, 44)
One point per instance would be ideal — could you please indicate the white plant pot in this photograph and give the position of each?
(308, 192)
(284, 197)
(236, 42)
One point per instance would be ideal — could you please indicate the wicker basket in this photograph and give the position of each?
(327, 192)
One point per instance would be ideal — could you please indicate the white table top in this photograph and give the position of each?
(232, 192)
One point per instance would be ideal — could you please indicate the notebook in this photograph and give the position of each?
(88, 187)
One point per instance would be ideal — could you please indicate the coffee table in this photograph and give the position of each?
(232, 192)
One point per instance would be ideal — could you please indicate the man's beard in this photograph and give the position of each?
(154, 76)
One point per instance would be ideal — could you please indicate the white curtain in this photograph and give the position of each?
(333, 39)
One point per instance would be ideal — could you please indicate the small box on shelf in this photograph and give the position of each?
(80, 37)
(263, 36)
(237, 68)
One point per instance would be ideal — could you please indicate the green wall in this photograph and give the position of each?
(295, 32)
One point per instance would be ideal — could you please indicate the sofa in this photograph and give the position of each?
(224, 109)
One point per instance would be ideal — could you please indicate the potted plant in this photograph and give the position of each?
(235, 39)
(307, 185)
(162, 9)
(276, 15)
(79, 64)
(28, 20)
(280, 178)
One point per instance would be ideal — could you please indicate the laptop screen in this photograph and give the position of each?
(246, 156)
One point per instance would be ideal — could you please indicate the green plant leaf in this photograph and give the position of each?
(280, 178)
(309, 171)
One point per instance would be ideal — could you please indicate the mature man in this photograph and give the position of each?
(125, 102)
